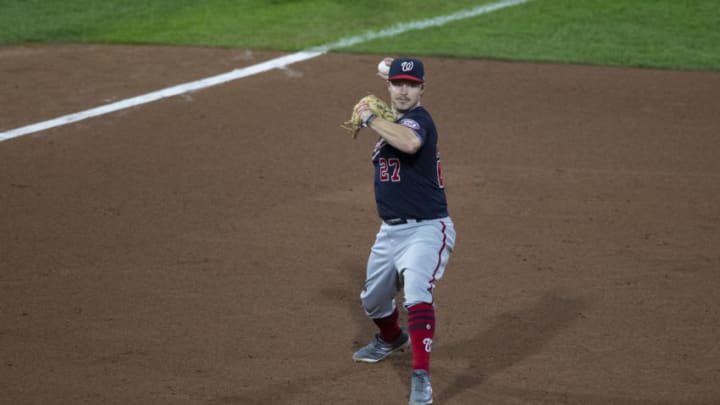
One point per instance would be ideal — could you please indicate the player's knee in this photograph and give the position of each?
(375, 309)
(372, 311)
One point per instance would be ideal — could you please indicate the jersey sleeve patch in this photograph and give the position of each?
(410, 123)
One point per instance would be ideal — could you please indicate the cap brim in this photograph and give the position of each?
(406, 77)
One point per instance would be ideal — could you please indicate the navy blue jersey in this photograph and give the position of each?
(410, 185)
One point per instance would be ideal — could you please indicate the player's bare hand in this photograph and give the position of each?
(384, 68)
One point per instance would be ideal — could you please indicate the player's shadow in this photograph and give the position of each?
(509, 339)
(506, 340)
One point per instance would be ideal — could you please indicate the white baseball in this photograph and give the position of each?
(383, 68)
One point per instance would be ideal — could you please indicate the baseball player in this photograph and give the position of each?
(416, 235)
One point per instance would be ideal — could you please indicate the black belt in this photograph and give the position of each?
(400, 221)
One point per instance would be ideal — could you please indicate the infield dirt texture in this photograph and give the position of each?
(210, 248)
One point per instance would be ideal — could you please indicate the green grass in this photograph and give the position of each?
(670, 34)
(645, 33)
(276, 25)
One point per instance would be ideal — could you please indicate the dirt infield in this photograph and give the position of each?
(210, 248)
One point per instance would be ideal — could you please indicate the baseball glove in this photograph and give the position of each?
(360, 119)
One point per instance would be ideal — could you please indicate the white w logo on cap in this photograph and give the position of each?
(407, 66)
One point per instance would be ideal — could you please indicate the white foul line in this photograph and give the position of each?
(275, 63)
(160, 94)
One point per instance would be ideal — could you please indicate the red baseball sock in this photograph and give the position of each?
(421, 325)
(389, 327)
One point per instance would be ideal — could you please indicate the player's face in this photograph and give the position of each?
(405, 94)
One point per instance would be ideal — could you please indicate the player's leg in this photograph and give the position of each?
(381, 281)
(425, 255)
(378, 299)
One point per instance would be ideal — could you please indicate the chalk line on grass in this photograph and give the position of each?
(280, 62)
